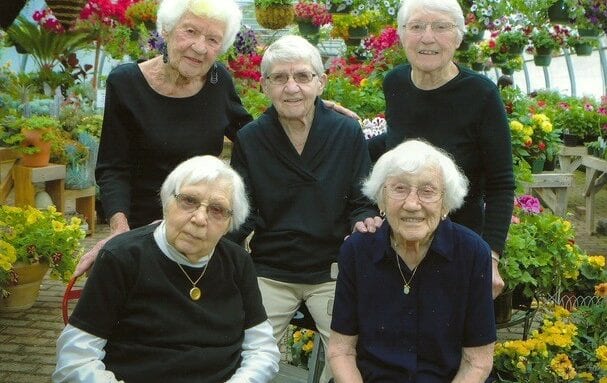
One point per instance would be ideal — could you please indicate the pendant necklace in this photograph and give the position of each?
(406, 283)
(195, 292)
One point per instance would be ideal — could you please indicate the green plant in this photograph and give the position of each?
(301, 344)
(29, 235)
(540, 253)
(512, 39)
(543, 39)
(598, 148)
(367, 99)
(254, 101)
(343, 22)
(592, 273)
(534, 137)
(272, 3)
(14, 137)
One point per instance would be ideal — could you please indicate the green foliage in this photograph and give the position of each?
(366, 100)
(253, 100)
(272, 3)
(542, 38)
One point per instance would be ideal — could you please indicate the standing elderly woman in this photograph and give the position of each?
(173, 301)
(303, 165)
(413, 300)
(455, 109)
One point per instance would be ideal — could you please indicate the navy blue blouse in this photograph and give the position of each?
(415, 337)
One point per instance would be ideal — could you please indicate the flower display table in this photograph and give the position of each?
(570, 158)
(596, 178)
(553, 189)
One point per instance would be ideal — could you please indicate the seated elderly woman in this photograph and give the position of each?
(413, 300)
(173, 301)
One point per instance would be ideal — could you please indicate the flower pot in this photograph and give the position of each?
(507, 71)
(502, 307)
(306, 28)
(23, 295)
(542, 60)
(583, 49)
(520, 300)
(543, 51)
(66, 11)
(571, 139)
(558, 13)
(550, 165)
(275, 17)
(515, 50)
(33, 138)
(588, 32)
(537, 165)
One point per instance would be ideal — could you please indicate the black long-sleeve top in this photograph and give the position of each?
(302, 205)
(145, 135)
(465, 117)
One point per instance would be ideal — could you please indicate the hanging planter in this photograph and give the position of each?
(336, 7)
(306, 28)
(583, 49)
(558, 13)
(24, 294)
(274, 14)
(542, 60)
(66, 11)
(588, 32)
(507, 71)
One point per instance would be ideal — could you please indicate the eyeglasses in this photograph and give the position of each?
(283, 78)
(214, 210)
(420, 27)
(425, 193)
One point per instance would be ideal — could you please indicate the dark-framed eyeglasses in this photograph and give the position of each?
(190, 204)
(425, 193)
(303, 77)
(420, 27)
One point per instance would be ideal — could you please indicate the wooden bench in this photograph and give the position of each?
(596, 178)
(553, 189)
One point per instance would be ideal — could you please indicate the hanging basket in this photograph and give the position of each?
(340, 8)
(507, 71)
(275, 17)
(306, 28)
(542, 60)
(23, 295)
(66, 11)
(588, 32)
(558, 13)
(583, 49)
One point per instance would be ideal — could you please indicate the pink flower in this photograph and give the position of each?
(528, 204)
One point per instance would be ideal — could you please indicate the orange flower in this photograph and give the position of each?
(600, 290)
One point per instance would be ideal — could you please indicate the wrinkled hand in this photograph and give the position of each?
(369, 225)
(340, 109)
(497, 284)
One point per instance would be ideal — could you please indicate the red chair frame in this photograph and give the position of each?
(70, 294)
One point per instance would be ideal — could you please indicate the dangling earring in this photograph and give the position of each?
(165, 54)
(214, 75)
(382, 213)
(444, 217)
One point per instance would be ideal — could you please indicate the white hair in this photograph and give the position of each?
(451, 8)
(413, 156)
(226, 11)
(291, 49)
(207, 169)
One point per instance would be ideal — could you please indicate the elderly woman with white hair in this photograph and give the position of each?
(413, 300)
(303, 165)
(454, 108)
(173, 301)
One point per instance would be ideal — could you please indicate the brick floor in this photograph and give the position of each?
(27, 339)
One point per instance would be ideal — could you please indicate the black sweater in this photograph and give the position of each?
(145, 135)
(302, 206)
(465, 117)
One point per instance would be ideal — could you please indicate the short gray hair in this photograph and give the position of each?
(291, 49)
(448, 7)
(207, 169)
(410, 157)
(226, 11)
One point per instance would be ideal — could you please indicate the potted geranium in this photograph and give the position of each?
(310, 17)
(31, 241)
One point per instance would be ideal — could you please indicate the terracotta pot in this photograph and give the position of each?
(33, 138)
(24, 294)
(276, 17)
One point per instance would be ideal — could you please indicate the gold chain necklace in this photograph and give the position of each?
(195, 292)
(406, 283)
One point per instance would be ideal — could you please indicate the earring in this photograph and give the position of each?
(214, 75)
(382, 213)
(444, 217)
(165, 54)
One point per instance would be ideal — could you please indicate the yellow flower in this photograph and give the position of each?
(600, 290)
(561, 365)
(585, 376)
(601, 355)
(560, 312)
(297, 336)
(566, 226)
(546, 126)
(308, 346)
(528, 131)
(597, 261)
(603, 380)
(522, 364)
(516, 126)
(58, 226)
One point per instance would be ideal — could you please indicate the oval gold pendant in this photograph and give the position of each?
(195, 293)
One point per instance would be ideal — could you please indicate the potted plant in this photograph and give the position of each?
(142, 12)
(540, 254)
(582, 46)
(544, 44)
(353, 28)
(310, 17)
(274, 14)
(598, 148)
(511, 65)
(31, 241)
(33, 136)
(301, 344)
(511, 41)
(595, 17)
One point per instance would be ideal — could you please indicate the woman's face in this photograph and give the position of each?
(413, 219)
(295, 98)
(194, 44)
(194, 219)
(430, 50)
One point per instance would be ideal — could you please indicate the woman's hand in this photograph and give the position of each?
(340, 109)
(369, 225)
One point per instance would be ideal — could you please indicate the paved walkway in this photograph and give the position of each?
(27, 339)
